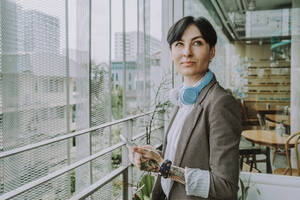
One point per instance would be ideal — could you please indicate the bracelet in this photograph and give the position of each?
(165, 168)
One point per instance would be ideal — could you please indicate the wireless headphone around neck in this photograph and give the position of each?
(189, 95)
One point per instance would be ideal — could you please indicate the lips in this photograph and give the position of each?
(187, 63)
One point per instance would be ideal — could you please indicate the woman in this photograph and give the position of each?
(200, 156)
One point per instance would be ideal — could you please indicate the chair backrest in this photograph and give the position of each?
(261, 121)
(287, 147)
(297, 156)
(244, 110)
(270, 125)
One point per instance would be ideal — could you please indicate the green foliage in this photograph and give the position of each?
(116, 154)
(117, 103)
(73, 179)
(245, 188)
(116, 158)
(145, 186)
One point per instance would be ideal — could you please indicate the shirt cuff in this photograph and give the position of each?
(197, 182)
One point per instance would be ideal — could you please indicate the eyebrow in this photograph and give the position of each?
(194, 38)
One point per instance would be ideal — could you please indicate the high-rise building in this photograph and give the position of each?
(132, 39)
(138, 65)
(41, 32)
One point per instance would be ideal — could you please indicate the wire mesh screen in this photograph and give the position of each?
(48, 89)
(115, 188)
(103, 166)
(33, 94)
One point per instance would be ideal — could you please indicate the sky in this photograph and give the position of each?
(100, 23)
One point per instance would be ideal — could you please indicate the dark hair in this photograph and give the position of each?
(206, 29)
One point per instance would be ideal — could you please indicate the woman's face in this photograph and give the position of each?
(191, 55)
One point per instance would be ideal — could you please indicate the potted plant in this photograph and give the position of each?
(244, 188)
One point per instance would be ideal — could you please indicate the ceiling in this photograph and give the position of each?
(232, 13)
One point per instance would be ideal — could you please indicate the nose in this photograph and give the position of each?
(187, 51)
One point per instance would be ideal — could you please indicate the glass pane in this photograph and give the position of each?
(33, 94)
(197, 9)
(117, 58)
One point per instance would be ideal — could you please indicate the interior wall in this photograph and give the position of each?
(295, 71)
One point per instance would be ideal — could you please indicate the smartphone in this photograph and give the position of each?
(124, 139)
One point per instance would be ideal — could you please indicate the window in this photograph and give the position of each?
(53, 86)
(36, 86)
(117, 77)
(73, 113)
(1, 122)
(74, 86)
(60, 112)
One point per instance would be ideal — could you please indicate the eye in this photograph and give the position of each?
(178, 44)
(198, 43)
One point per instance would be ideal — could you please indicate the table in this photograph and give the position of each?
(285, 119)
(265, 138)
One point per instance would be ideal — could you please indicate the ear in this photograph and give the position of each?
(212, 52)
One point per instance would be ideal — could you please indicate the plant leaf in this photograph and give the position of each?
(147, 181)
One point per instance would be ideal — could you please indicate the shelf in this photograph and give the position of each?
(269, 75)
(270, 92)
(269, 85)
(268, 67)
(267, 101)
(268, 61)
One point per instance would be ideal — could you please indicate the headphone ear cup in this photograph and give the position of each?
(188, 95)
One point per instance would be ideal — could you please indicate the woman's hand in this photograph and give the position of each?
(147, 158)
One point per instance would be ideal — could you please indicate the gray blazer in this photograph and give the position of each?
(209, 141)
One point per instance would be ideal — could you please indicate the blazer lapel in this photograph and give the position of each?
(190, 123)
(186, 133)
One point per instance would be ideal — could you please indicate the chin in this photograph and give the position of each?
(188, 72)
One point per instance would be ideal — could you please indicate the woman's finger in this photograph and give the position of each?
(147, 153)
(137, 159)
(149, 147)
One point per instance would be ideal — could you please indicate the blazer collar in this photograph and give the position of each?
(192, 117)
(205, 90)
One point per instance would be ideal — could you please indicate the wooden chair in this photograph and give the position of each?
(246, 120)
(250, 152)
(249, 168)
(261, 121)
(289, 170)
(271, 125)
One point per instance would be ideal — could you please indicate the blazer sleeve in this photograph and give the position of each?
(224, 138)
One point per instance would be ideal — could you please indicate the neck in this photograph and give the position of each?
(190, 81)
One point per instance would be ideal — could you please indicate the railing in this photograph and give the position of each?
(124, 169)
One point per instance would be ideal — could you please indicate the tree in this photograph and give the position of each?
(117, 103)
